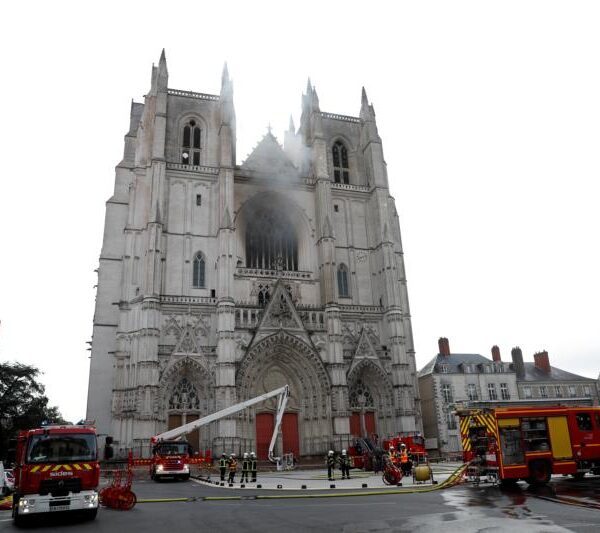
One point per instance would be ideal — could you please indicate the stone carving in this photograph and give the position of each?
(186, 331)
(184, 396)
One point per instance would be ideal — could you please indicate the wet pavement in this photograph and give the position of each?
(563, 506)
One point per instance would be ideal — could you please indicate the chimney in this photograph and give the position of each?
(542, 362)
(444, 346)
(496, 354)
(519, 366)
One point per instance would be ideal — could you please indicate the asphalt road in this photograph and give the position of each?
(462, 509)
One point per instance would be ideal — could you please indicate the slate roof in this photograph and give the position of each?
(453, 361)
(556, 374)
(532, 374)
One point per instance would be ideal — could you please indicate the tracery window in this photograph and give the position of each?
(360, 395)
(190, 144)
(264, 295)
(184, 396)
(198, 274)
(342, 279)
(341, 170)
(271, 242)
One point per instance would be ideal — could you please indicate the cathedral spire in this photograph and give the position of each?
(291, 127)
(162, 74)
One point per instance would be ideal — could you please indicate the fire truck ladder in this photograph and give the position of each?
(282, 394)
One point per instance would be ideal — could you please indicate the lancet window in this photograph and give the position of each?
(199, 280)
(271, 242)
(341, 170)
(342, 279)
(190, 143)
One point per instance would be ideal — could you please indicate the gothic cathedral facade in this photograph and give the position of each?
(219, 282)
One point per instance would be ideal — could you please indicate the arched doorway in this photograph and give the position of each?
(371, 400)
(187, 394)
(275, 361)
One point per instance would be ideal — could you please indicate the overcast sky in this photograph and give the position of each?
(489, 114)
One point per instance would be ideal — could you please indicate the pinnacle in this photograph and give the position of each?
(292, 127)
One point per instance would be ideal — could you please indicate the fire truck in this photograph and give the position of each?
(415, 446)
(531, 443)
(56, 470)
(171, 456)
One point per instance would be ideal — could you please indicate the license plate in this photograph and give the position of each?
(60, 508)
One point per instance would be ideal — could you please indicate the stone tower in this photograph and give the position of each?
(218, 281)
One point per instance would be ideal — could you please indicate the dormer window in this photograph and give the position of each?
(341, 170)
(190, 144)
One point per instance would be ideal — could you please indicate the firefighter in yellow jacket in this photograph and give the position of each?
(223, 466)
(232, 467)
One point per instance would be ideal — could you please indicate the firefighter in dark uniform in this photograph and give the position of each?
(330, 465)
(345, 465)
(245, 468)
(223, 466)
(253, 466)
(232, 467)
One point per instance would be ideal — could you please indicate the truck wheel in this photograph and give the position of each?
(508, 483)
(578, 476)
(539, 473)
(18, 520)
(185, 477)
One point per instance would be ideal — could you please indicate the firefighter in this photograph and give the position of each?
(223, 466)
(330, 465)
(345, 465)
(253, 465)
(245, 467)
(232, 467)
(405, 462)
(392, 455)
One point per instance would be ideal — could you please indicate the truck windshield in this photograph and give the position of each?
(61, 447)
(172, 448)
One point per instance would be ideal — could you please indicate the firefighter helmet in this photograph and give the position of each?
(330, 452)
(252, 454)
(245, 455)
(343, 452)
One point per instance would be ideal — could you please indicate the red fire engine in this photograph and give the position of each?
(56, 470)
(171, 457)
(415, 446)
(531, 443)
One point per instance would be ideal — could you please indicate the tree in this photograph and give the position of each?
(23, 404)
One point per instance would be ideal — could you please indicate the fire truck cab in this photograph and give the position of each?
(56, 470)
(171, 458)
(532, 443)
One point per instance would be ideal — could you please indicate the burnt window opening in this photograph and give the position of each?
(198, 199)
(342, 279)
(198, 273)
(341, 169)
(190, 144)
(336, 207)
(271, 242)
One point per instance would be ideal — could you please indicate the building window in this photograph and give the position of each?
(504, 393)
(199, 267)
(198, 199)
(492, 394)
(444, 369)
(447, 393)
(558, 391)
(271, 242)
(336, 207)
(543, 391)
(472, 391)
(341, 171)
(587, 392)
(264, 295)
(190, 144)
(342, 279)
(527, 392)
(572, 391)
(451, 419)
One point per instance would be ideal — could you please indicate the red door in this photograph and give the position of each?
(355, 425)
(291, 439)
(265, 424)
(370, 423)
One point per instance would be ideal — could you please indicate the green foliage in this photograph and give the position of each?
(23, 404)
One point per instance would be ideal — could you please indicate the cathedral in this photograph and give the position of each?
(220, 281)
